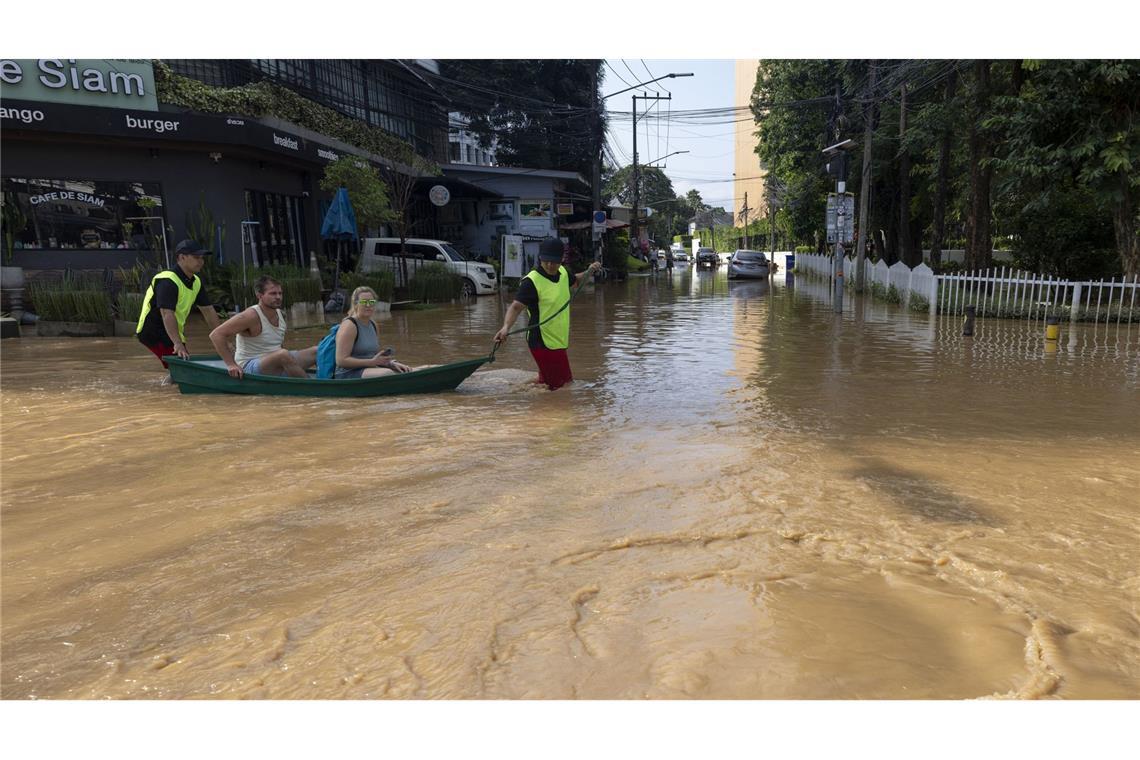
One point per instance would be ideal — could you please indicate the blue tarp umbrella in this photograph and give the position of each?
(339, 225)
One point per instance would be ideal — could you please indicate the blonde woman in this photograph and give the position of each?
(358, 341)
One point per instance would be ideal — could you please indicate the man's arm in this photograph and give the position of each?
(594, 266)
(170, 322)
(513, 312)
(221, 334)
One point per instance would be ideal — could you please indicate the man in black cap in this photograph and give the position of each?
(171, 296)
(544, 292)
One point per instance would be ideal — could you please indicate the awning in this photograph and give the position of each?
(611, 224)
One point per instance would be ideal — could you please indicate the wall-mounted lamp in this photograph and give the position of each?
(216, 157)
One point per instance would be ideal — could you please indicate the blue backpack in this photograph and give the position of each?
(326, 352)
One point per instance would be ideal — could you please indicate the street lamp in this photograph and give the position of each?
(598, 156)
(674, 153)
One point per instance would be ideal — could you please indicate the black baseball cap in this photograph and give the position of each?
(190, 248)
(550, 250)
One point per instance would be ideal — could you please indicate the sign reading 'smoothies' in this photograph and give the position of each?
(80, 81)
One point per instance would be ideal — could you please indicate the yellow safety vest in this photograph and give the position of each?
(552, 296)
(186, 298)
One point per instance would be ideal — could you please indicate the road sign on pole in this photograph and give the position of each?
(840, 217)
(599, 224)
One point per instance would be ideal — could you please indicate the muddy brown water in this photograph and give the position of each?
(741, 496)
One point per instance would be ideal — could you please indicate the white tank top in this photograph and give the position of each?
(270, 339)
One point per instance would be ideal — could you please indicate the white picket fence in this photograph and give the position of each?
(995, 292)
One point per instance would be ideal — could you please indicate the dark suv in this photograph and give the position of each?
(707, 257)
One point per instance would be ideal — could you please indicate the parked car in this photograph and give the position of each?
(747, 264)
(680, 256)
(384, 254)
(707, 257)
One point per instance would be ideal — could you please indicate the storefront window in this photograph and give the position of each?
(63, 214)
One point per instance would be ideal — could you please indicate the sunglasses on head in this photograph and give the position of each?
(367, 302)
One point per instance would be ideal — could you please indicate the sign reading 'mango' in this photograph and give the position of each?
(83, 82)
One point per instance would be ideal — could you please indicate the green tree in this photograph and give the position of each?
(537, 113)
(366, 189)
(656, 193)
(1077, 119)
(653, 184)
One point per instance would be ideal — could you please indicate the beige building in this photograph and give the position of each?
(746, 165)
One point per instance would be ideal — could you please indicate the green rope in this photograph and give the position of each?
(495, 346)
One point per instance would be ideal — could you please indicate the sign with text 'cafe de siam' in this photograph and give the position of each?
(103, 82)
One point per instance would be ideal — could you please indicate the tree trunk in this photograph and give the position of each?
(1124, 214)
(938, 228)
(979, 242)
(906, 246)
(891, 252)
(865, 186)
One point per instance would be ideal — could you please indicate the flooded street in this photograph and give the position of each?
(742, 495)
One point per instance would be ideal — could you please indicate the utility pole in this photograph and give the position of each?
(597, 175)
(744, 211)
(597, 178)
(838, 227)
(635, 227)
(865, 187)
(772, 230)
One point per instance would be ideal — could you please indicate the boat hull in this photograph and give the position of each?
(207, 374)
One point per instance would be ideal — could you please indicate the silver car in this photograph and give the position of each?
(748, 264)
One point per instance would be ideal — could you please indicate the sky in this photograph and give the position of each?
(707, 166)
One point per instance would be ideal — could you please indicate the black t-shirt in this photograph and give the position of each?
(528, 296)
(166, 297)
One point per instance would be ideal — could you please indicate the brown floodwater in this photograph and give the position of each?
(743, 495)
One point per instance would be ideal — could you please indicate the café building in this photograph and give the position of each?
(96, 170)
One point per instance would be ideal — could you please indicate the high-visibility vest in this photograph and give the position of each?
(186, 298)
(552, 296)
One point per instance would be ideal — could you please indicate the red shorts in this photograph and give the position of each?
(160, 350)
(553, 366)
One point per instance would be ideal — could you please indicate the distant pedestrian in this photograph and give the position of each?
(543, 293)
(168, 302)
(669, 260)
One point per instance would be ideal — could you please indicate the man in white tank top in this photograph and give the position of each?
(259, 335)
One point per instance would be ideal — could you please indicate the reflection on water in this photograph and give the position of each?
(742, 495)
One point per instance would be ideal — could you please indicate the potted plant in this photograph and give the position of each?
(72, 308)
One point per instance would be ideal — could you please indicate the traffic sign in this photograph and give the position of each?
(840, 217)
(599, 224)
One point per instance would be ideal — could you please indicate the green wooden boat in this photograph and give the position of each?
(206, 373)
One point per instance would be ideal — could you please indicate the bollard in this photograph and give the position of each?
(1052, 328)
(968, 323)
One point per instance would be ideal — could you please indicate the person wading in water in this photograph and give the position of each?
(168, 302)
(543, 292)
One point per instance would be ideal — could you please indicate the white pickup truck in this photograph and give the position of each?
(381, 254)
